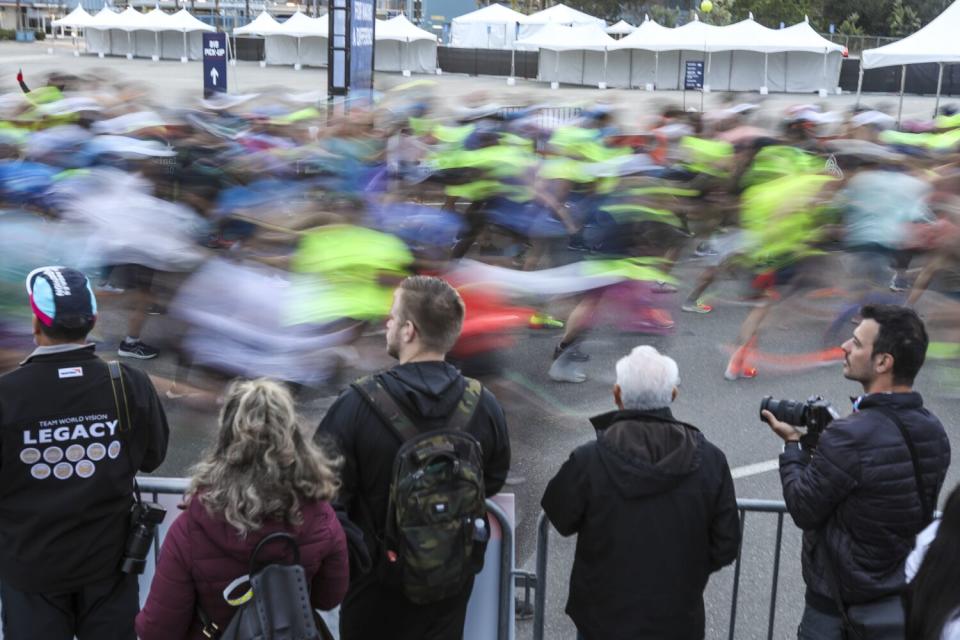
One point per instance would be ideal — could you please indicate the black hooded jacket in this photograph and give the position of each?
(428, 392)
(654, 508)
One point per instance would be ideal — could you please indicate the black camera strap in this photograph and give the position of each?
(927, 516)
(123, 416)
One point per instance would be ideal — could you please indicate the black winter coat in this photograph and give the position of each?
(428, 392)
(857, 494)
(654, 508)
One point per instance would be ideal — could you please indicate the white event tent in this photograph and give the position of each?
(622, 28)
(936, 42)
(745, 56)
(558, 14)
(492, 27)
(155, 34)
(76, 20)
(402, 46)
(298, 40)
(581, 51)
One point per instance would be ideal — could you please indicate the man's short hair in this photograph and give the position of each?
(902, 335)
(646, 379)
(435, 309)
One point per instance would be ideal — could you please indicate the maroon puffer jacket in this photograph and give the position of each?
(202, 554)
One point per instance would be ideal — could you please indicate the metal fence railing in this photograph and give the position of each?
(856, 45)
(775, 507)
(155, 488)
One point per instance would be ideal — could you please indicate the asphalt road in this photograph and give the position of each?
(547, 420)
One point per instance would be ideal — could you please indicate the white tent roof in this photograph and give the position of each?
(936, 42)
(803, 37)
(558, 37)
(76, 18)
(183, 21)
(300, 25)
(133, 20)
(264, 24)
(622, 27)
(561, 14)
(491, 14)
(105, 19)
(401, 29)
(746, 35)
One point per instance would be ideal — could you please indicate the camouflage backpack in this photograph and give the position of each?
(436, 529)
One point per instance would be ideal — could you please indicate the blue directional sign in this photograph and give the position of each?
(214, 63)
(693, 78)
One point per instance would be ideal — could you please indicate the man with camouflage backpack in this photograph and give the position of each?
(423, 447)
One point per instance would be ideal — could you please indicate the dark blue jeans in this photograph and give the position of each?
(819, 626)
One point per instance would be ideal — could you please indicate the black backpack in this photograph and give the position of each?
(436, 528)
(277, 605)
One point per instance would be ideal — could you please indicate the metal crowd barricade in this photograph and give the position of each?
(744, 506)
(154, 488)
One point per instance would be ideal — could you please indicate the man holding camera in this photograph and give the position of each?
(73, 435)
(863, 487)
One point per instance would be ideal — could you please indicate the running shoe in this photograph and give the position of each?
(898, 284)
(137, 350)
(544, 321)
(664, 287)
(704, 250)
(735, 373)
(695, 306)
(571, 351)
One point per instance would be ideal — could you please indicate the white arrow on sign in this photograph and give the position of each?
(214, 74)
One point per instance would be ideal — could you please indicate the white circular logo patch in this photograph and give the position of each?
(63, 470)
(75, 452)
(96, 452)
(40, 471)
(53, 455)
(85, 468)
(30, 456)
(113, 450)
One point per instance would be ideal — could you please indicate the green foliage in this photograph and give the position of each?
(665, 16)
(850, 26)
(721, 14)
(903, 20)
(8, 34)
(771, 13)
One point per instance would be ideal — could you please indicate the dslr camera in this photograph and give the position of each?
(144, 518)
(814, 415)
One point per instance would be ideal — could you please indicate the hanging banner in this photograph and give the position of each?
(352, 29)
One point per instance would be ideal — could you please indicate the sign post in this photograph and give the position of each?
(352, 26)
(693, 80)
(214, 63)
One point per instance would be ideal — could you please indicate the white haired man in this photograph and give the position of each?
(654, 510)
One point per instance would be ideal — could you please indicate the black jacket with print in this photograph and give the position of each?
(67, 465)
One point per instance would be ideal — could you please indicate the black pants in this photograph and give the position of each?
(374, 612)
(101, 610)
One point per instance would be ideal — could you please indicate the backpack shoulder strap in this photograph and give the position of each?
(119, 394)
(467, 406)
(915, 459)
(384, 405)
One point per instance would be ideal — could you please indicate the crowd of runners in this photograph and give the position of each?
(270, 230)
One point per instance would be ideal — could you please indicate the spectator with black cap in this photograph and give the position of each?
(73, 438)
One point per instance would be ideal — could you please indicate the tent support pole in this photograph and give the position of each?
(556, 69)
(656, 68)
(513, 61)
(604, 67)
(936, 105)
(766, 67)
(903, 85)
(583, 66)
(630, 70)
(825, 52)
(859, 82)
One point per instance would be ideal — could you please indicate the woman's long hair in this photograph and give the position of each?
(264, 464)
(936, 587)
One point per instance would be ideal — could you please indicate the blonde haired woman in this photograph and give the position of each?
(264, 475)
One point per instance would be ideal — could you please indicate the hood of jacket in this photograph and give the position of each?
(647, 452)
(428, 389)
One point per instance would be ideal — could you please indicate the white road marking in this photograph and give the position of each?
(754, 469)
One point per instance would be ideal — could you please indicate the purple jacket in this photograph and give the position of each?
(202, 554)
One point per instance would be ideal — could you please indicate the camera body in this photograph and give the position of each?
(144, 518)
(814, 415)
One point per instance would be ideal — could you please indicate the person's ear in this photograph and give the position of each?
(674, 394)
(617, 398)
(36, 328)
(884, 363)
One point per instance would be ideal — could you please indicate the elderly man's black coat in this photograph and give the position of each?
(654, 508)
